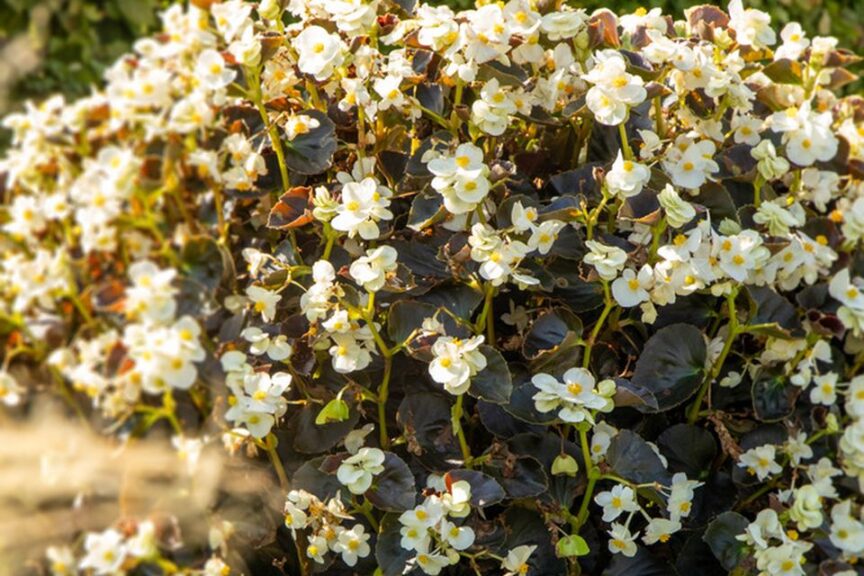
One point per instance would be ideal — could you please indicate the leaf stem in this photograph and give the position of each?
(717, 366)
(383, 395)
(270, 446)
(592, 339)
(625, 144)
(456, 421)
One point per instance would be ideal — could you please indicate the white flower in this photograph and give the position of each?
(752, 27)
(681, 495)
(563, 25)
(824, 389)
(601, 439)
(847, 532)
(10, 390)
(276, 348)
(319, 52)
(371, 270)
(621, 541)
(770, 165)
(809, 137)
(61, 560)
(459, 537)
(614, 90)
(353, 544)
(761, 461)
(608, 260)
(211, 71)
(430, 562)
(626, 178)
(544, 236)
(151, 295)
(851, 295)
(631, 289)
(356, 472)
(317, 548)
(806, 509)
(678, 211)
(617, 501)
(746, 129)
(491, 112)
(689, 163)
(299, 124)
(105, 552)
(389, 91)
(574, 397)
(461, 179)
(363, 204)
(516, 562)
(455, 362)
(798, 449)
(794, 42)
(660, 530)
(263, 301)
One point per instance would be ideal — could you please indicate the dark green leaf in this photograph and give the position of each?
(485, 490)
(633, 459)
(721, 537)
(493, 383)
(671, 365)
(393, 490)
(688, 449)
(312, 153)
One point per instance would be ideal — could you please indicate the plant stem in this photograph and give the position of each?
(593, 476)
(486, 318)
(625, 144)
(734, 330)
(609, 304)
(456, 421)
(330, 237)
(658, 116)
(270, 444)
(383, 395)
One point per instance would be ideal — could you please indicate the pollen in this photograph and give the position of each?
(574, 388)
(318, 48)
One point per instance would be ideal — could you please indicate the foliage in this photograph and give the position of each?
(516, 290)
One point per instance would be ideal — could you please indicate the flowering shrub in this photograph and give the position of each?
(515, 290)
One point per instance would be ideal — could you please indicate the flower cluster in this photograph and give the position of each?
(593, 280)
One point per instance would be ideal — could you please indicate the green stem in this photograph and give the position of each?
(487, 318)
(757, 190)
(383, 395)
(593, 476)
(625, 144)
(658, 116)
(609, 304)
(270, 445)
(456, 421)
(734, 330)
(330, 236)
(656, 233)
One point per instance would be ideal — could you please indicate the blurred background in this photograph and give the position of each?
(49, 46)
